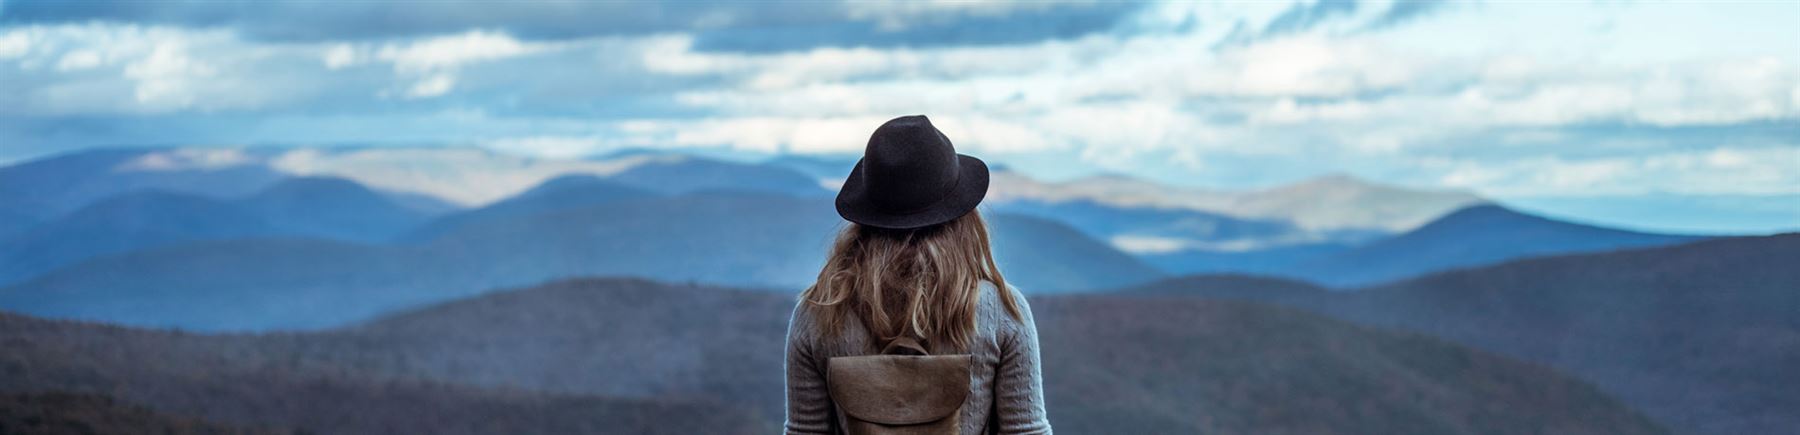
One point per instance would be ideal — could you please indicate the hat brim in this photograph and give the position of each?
(854, 204)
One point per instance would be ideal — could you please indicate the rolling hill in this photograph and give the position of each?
(65, 413)
(1162, 365)
(1112, 364)
(266, 381)
(1702, 336)
(1474, 236)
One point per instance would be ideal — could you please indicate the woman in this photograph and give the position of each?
(915, 263)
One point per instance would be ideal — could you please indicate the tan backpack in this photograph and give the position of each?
(904, 390)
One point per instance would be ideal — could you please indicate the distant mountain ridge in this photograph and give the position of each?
(565, 192)
(1700, 335)
(296, 207)
(1474, 236)
(753, 240)
(1329, 203)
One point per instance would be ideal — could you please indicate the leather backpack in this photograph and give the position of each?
(903, 390)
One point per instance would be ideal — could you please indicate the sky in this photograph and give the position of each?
(1671, 116)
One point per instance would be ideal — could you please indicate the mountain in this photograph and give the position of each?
(1046, 256)
(1702, 336)
(1124, 364)
(677, 174)
(568, 191)
(828, 170)
(743, 239)
(16, 219)
(333, 208)
(271, 381)
(1474, 236)
(241, 284)
(1339, 205)
(750, 240)
(298, 207)
(63, 183)
(124, 223)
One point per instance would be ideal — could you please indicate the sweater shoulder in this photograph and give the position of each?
(993, 308)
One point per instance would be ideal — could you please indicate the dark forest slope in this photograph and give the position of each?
(1703, 336)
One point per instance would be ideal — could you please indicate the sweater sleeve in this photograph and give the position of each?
(1019, 381)
(809, 408)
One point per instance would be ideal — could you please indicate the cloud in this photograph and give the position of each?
(446, 52)
(1303, 16)
(725, 25)
(1724, 170)
(1403, 11)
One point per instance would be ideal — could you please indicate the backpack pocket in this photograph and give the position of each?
(899, 394)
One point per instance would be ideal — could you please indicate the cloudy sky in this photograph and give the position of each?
(1678, 116)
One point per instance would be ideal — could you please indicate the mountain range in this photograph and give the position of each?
(568, 227)
(1702, 336)
(329, 250)
(645, 357)
(1473, 236)
(1421, 300)
(326, 208)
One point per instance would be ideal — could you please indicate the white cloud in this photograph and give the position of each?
(94, 68)
(1724, 170)
(166, 76)
(78, 60)
(431, 86)
(340, 56)
(449, 52)
(467, 176)
(186, 159)
(1149, 244)
(550, 146)
(14, 44)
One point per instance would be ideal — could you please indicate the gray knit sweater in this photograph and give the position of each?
(1007, 384)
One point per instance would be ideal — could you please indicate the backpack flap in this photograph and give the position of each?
(899, 390)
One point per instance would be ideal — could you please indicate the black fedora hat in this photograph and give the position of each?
(910, 177)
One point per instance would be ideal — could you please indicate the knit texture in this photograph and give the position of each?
(1006, 383)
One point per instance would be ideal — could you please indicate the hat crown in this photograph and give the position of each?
(909, 164)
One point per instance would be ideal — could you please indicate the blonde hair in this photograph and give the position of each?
(924, 282)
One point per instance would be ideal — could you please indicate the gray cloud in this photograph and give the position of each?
(750, 26)
(1405, 11)
(1302, 16)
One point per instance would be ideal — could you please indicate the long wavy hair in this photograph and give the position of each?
(923, 283)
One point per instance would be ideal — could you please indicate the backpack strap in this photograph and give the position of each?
(903, 345)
